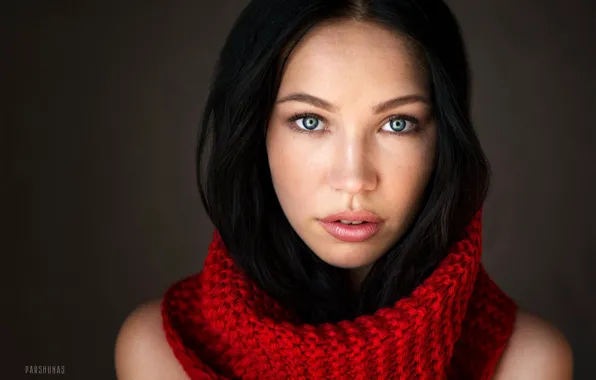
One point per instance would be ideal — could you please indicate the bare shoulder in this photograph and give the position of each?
(536, 350)
(142, 351)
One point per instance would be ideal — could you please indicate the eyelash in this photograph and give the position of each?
(298, 116)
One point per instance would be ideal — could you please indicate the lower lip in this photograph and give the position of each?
(351, 232)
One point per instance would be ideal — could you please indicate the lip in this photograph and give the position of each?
(355, 232)
(353, 216)
(351, 233)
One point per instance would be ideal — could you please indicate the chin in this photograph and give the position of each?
(350, 258)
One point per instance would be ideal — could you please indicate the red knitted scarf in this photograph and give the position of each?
(455, 325)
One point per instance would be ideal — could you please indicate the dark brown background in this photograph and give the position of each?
(102, 211)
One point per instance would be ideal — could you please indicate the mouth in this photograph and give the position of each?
(353, 217)
(348, 222)
(352, 226)
(351, 232)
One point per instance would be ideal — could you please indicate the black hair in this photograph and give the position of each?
(235, 181)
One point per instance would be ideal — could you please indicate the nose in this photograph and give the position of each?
(352, 167)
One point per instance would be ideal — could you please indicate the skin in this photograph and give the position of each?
(353, 166)
(357, 158)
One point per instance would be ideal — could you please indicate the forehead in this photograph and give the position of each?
(352, 55)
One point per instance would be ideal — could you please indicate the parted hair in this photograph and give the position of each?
(235, 182)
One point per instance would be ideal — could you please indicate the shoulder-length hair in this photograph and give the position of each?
(235, 181)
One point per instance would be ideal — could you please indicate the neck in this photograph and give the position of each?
(357, 275)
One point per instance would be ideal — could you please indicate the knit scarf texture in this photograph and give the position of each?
(454, 325)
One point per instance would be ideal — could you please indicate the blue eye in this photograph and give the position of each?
(397, 124)
(400, 124)
(309, 123)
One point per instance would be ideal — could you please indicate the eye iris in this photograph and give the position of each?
(398, 124)
(310, 122)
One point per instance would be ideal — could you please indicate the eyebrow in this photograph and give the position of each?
(381, 107)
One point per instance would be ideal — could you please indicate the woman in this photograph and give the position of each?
(346, 184)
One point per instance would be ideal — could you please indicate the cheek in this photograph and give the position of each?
(405, 170)
(291, 170)
(414, 165)
(404, 187)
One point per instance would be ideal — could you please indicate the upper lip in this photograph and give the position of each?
(353, 216)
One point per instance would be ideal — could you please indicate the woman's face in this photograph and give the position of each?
(366, 143)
